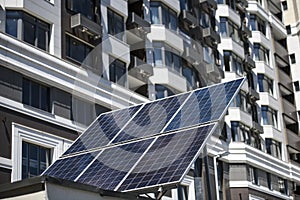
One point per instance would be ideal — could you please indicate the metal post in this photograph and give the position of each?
(216, 177)
(206, 163)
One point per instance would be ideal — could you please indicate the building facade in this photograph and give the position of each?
(64, 62)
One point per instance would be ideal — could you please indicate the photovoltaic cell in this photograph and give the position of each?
(168, 159)
(113, 164)
(102, 131)
(69, 168)
(205, 105)
(152, 118)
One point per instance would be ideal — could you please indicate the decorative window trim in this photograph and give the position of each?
(23, 133)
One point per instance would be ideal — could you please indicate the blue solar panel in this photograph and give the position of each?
(69, 168)
(204, 105)
(113, 164)
(152, 118)
(102, 131)
(167, 159)
(162, 149)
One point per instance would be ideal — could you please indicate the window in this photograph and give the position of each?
(83, 112)
(296, 85)
(205, 20)
(115, 24)
(265, 84)
(288, 29)
(36, 95)
(77, 50)
(191, 75)
(282, 185)
(257, 24)
(233, 63)
(284, 5)
(273, 148)
(34, 31)
(85, 7)
(293, 58)
(229, 29)
(242, 101)
(269, 116)
(269, 181)
(253, 175)
(242, 133)
(35, 159)
(183, 192)
(164, 54)
(162, 91)
(260, 53)
(161, 14)
(117, 72)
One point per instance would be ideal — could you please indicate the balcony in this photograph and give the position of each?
(289, 110)
(207, 5)
(253, 95)
(256, 127)
(196, 33)
(285, 79)
(293, 140)
(214, 71)
(139, 69)
(79, 21)
(249, 63)
(188, 18)
(211, 37)
(282, 53)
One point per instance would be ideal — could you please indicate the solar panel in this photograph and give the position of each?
(102, 130)
(146, 145)
(113, 164)
(167, 159)
(204, 105)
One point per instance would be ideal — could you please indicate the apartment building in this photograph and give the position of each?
(64, 62)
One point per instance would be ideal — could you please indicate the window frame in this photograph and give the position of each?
(266, 113)
(113, 20)
(22, 133)
(165, 15)
(113, 72)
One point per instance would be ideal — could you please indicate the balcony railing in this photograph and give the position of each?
(140, 69)
(249, 63)
(135, 21)
(188, 18)
(206, 4)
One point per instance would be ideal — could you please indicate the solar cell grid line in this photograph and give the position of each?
(70, 168)
(168, 159)
(152, 118)
(206, 104)
(113, 164)
(103, 129)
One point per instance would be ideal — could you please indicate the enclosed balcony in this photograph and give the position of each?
(256, 127)
(242, 5)
(79, 21)
(253, 95)
(211, 37)
(137, 28)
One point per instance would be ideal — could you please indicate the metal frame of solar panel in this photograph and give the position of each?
(121, 140)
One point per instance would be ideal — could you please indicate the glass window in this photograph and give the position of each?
(162, 91)
(282, 185)
(273, 148)
(117, 72)
(229, 29)
(183, 192)
(265, 84)
(161, 14)
(233, 63)
(191, 76)
(85, 7)
(260, 53)
(115, 24)
(269, 116)
(297, 86)
(253, 175)
(257, 24)
(76, 50)
(36, 95)
(35, 31)
(35, 159)
(11, 26)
